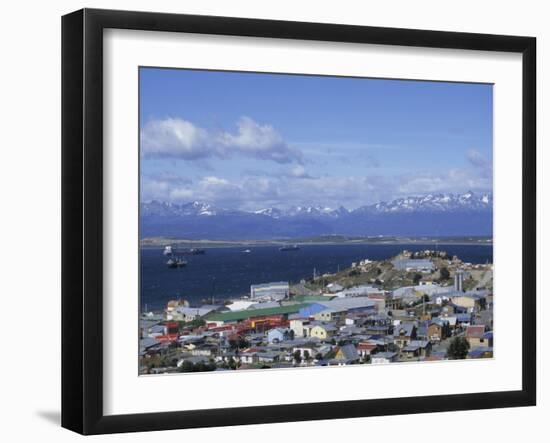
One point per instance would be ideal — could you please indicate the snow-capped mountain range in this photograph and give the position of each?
(432, 214)
(435, 202)
(430, 202)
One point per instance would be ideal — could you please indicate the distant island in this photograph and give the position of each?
(158, 242)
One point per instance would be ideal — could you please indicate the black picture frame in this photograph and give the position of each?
(82, 218)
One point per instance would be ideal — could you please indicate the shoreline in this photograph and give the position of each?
(158, 243)
(222, 299)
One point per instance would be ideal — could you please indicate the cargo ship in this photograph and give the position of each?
(171, 250)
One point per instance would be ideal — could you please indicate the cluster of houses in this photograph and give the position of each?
(365, 324)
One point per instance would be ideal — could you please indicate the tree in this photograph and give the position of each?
(232, 364)
(297, 356)
(243, 343)
(445, 274)
(446, 330)
(307, 357)
(392, 347)
(238, 343)
(458, 348)
(416, 278)
(186, 366)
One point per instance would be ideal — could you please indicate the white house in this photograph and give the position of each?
(278, 335)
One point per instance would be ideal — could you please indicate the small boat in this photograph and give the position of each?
(289, 248)
(247, 251)
(176, 263)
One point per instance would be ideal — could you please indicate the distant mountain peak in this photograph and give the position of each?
(270, 212)
(468, 201)
(158, 208)
(441, 214)
(441, 202)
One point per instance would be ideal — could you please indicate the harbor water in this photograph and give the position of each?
(223, 273)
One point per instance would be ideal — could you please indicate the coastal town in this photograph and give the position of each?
(416, 306)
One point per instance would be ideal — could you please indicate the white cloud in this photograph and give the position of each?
(181, 194)
(298, 171)
(453, 180)
(213, 181)
(293, 185)
(178, 138)
(477, 159)
(174, 137)
(252, 192)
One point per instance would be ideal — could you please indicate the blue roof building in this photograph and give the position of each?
(311, 310)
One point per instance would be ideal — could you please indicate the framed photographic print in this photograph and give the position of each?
(269, 221)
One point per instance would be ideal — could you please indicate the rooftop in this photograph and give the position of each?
(346, 303)
(312, 297)
(250, 313)
(475, 331)
(405, 329)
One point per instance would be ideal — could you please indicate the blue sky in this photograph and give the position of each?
(248, 141)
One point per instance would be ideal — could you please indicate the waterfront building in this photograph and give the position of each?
(350, 304)
(413, 264)
(254, 315)
(182, 313)
(270, 291)
(358, 291)
(238, 305)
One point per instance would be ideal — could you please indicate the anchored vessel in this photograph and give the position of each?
(176, 263)
(289, 248)
(171, 250)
